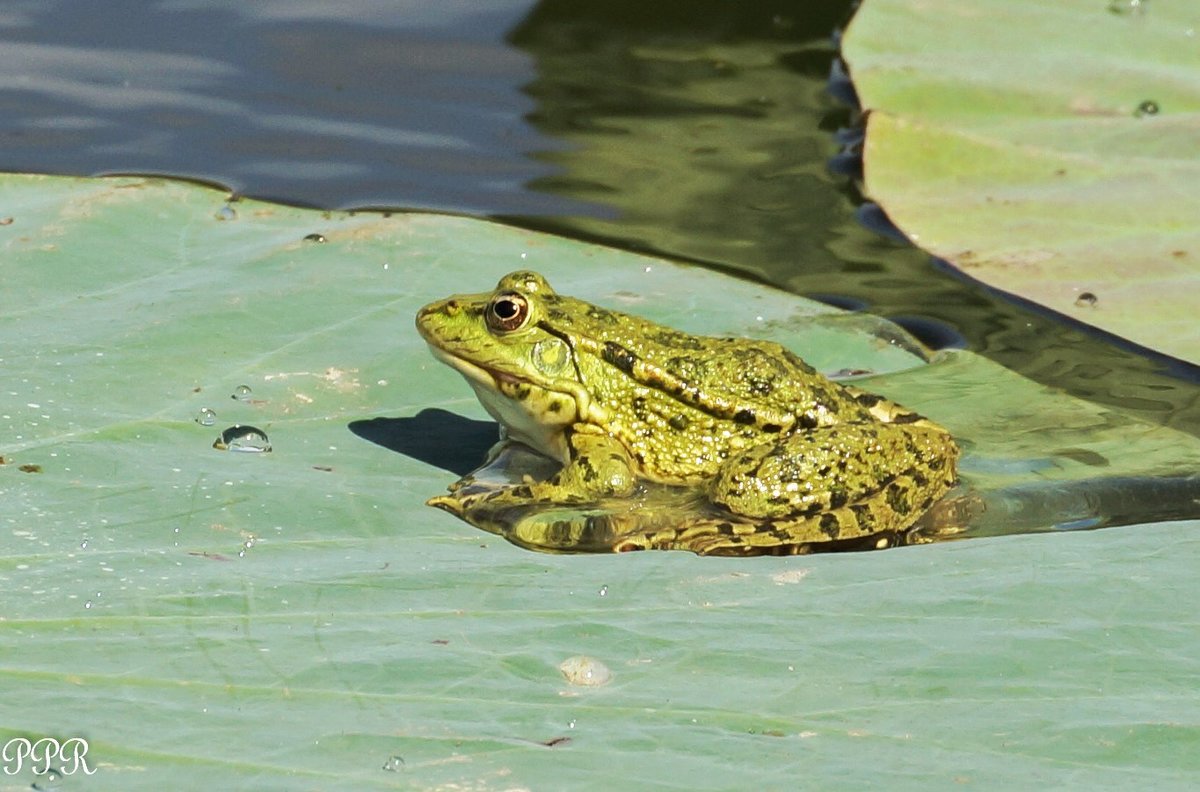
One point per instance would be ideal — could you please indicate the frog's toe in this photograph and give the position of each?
(447, 503)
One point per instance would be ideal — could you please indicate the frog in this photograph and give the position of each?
(755, 451)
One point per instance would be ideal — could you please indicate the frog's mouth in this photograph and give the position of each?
(477, 374)
(558, 402)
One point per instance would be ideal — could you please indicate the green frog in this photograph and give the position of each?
(755, 451)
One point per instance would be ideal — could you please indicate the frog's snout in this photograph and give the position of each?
(443, 309)
(450, 307)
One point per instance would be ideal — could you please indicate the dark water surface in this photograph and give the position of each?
(703, 131)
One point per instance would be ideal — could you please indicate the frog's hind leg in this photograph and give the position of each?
(838, 483)
(719, 537)
(711, 537)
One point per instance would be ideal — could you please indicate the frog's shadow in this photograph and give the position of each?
(437, 437)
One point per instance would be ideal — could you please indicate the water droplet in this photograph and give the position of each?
(1127, 7)
(87, 605)
(51, 779)
(226, 212)
(585, 671)
(604, 591)
(241, 393)
(318, 238)
(571, 723)
(206, 417)
(1147, 108)
(83, 545)
(394, 764)
(1086, 300)
(243, 438)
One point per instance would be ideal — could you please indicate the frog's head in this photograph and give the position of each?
(525, 376)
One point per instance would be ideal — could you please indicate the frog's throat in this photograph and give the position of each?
(511, 386)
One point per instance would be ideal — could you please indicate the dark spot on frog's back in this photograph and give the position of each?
(679, 422)
(744, 416)
(868, 400)
(685, 368)
(619, 356)
(676, 340)
(639, 408)
(862, 513)
(760, 386)
(897, 499)
(796, 362)
(601, 315)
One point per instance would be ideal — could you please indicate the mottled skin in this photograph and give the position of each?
(784, 456)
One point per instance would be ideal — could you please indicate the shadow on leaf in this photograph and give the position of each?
(437, 437)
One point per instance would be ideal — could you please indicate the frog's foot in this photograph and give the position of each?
(530, 494)
(447, 503)
(463, 483)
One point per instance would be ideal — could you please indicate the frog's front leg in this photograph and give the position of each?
(597, 467)
(495, 454)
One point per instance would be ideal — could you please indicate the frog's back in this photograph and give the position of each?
(745, 381)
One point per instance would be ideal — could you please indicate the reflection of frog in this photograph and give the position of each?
(782, 457)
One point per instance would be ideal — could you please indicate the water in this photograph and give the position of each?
(359, 103)
(1127, 7)
(1147, 108)
(248, 439)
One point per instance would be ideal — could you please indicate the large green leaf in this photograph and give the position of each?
(1013, 139)
(294, 620)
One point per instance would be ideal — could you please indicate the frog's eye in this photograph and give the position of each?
(507, 312)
